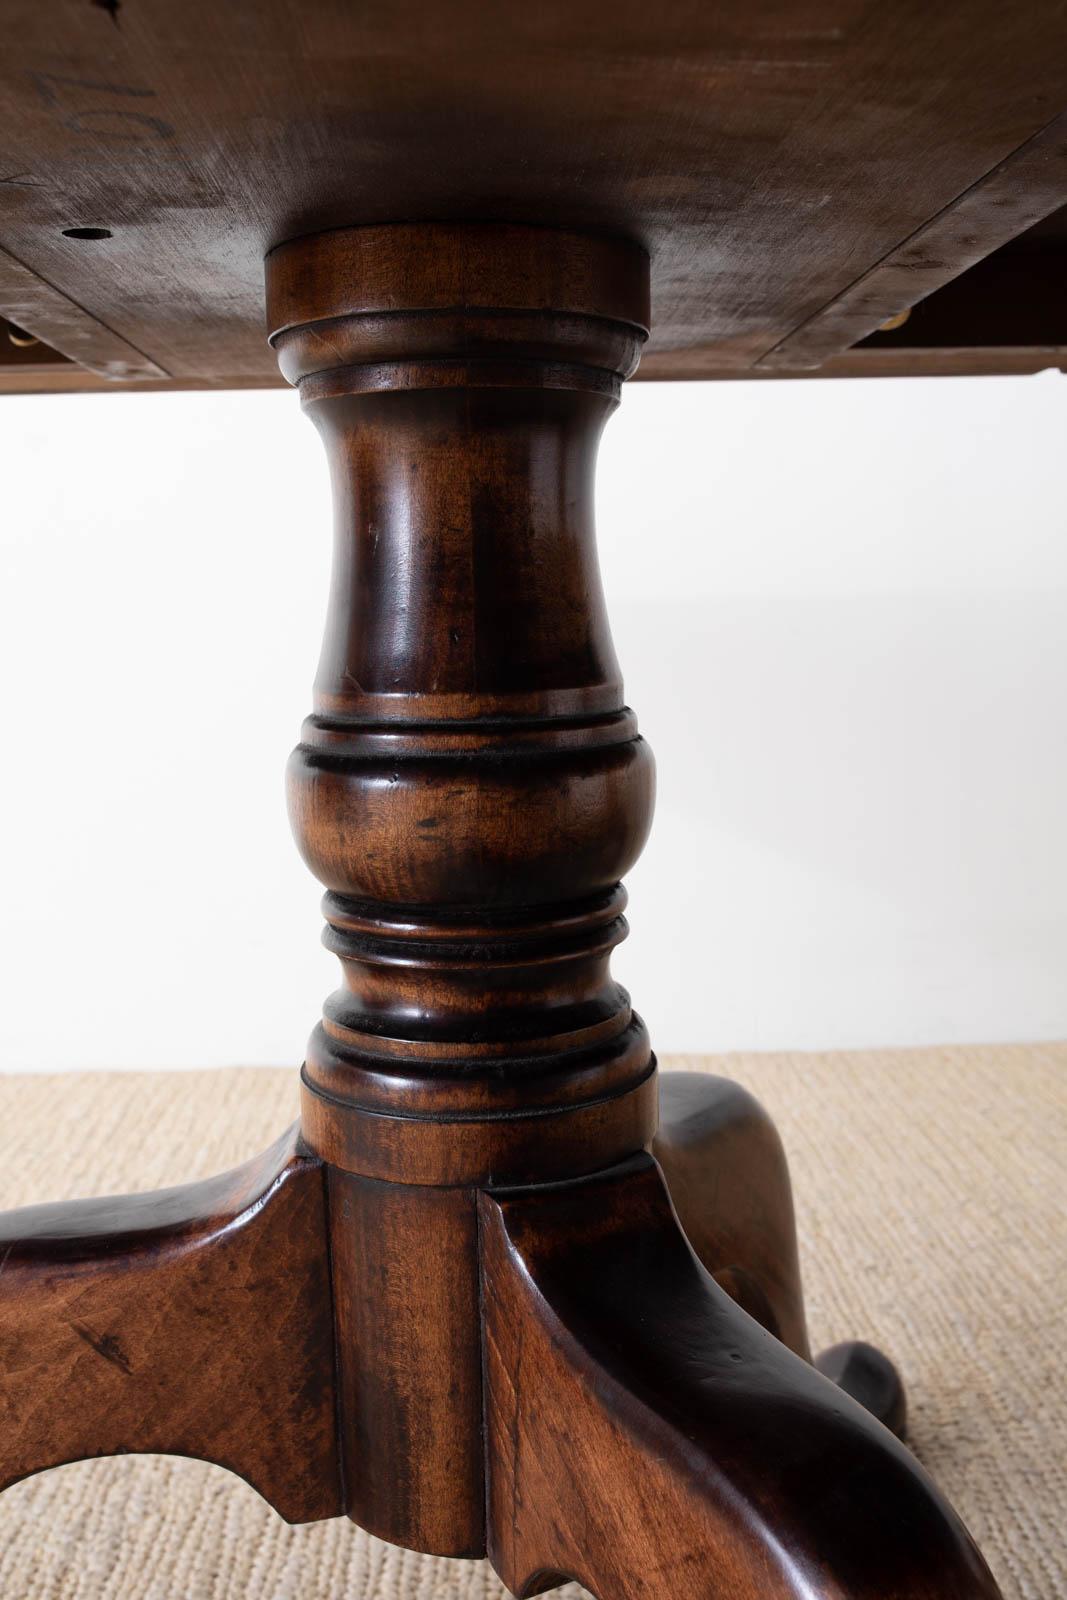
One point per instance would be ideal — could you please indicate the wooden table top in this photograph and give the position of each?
(799, 170)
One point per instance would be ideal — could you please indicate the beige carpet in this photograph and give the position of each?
(931, 1194)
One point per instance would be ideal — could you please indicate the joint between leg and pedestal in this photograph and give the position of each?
(484, 1278)
(470, 788)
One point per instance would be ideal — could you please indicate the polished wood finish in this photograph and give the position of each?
(192, 1321)
(780, 160)
(470, 787)
(726, 1170)
(649, 1438)
(463, 1309)
(865, 1374)
(406, 1275)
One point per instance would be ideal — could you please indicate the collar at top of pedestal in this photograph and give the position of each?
(393, 268)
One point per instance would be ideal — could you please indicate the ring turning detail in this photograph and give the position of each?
(501, 1290)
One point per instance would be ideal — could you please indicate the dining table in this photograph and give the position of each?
(503, 1289)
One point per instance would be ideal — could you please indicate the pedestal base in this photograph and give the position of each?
(460, 1306)
(652, 1425)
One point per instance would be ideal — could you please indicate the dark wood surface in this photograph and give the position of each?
(726, 1170)
(192, 1321)
(798, 170)
(406, 1273)
(649, 1438)
(463, 1309)
(207, 1321)
(470, 787)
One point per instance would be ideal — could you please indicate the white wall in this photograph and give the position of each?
(840, 609)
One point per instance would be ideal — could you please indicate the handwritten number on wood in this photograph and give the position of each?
(102, 121)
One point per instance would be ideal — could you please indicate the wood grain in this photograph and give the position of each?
(647, 1437)
(469, 788)
(725, 1168)
(766, 154)
(460, 1307)
(726, 1172)
(1018, 193)
(408, 1317)
(193, 1321)
(37, 306)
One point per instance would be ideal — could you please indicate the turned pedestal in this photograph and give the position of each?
(500, 1291)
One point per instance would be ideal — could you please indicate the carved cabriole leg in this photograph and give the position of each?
(470, 789)
(648, 1437)
(193, 1321)
(471, 1231)
(521, 1321)
(725, 1168)
(726, 1171)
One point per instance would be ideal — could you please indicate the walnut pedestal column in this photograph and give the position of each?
(470, 789)
(497, 1293)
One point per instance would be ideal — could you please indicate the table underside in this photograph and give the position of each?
(800, 171)
(498, 1292)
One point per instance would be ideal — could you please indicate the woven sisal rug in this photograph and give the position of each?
(931, 1190)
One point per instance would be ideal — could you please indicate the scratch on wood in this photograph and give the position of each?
(105, 1345)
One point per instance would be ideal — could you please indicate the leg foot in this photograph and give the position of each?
(869, 1377)
(192, 1321)
(647, 1437)
(728, 1180)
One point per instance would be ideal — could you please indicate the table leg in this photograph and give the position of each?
(529, 1355)
(191, 1321)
